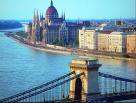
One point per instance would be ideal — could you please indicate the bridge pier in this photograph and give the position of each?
(86, 85)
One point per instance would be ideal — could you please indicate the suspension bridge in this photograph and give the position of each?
(83, 84)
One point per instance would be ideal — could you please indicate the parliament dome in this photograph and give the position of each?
(51, 12)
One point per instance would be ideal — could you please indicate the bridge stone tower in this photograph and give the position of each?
(86, 84)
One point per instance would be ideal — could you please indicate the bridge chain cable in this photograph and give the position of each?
(124, 89)
(116, 77)
(48, 88)
(36, 88)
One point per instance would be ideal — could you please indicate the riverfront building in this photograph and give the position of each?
(87, 39)
(131, 43)
(52, 29)
(103, 40)
(117, 42)
(27, 27)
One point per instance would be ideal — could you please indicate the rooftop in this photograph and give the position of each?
(85, 61)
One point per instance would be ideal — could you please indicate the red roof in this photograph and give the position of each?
(51, 11)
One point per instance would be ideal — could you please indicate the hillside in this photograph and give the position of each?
(9, 24)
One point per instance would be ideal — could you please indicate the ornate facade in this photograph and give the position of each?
(52, 29)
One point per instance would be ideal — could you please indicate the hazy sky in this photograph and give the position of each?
(74, 9)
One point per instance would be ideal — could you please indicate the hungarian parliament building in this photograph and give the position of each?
(53, 29)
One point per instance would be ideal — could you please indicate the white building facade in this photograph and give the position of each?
(117, 42)
(103, 40)
(87, 39)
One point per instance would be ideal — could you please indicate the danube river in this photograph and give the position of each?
(22, 68)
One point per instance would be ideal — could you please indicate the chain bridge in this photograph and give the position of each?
(83, 84)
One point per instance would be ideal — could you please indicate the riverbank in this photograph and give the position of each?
(64, 51)
(104, 56)
(36, 47)
(46, 49)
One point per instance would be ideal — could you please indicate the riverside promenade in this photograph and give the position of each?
(69, 51)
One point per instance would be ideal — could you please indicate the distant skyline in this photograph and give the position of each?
(74, 9)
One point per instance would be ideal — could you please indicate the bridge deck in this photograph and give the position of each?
(113, 97)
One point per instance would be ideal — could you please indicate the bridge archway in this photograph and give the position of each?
(78, 89)
(87, 84)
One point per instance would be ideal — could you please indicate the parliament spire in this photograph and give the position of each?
(51, 3)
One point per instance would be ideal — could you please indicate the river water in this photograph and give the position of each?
(22, 68)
